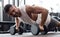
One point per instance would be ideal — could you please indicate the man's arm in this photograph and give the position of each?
(44, 13)
(17, 23)
(38, 10)
(44, 16)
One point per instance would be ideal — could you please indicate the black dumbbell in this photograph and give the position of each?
(20, 32)
(35, 29)
(13, 29)
(45, 30)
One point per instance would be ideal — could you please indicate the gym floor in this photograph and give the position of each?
(50, 34)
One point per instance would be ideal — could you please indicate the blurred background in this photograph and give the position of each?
(7, 21)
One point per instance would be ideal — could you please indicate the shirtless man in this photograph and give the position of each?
(30, 15)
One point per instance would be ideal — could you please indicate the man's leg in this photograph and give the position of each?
(56, 22)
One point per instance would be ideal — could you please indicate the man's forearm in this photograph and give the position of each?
(44, 17)
(17, 22)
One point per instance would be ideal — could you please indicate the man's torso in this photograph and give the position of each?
(28, 15)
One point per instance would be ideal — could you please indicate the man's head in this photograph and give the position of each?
(12, 10)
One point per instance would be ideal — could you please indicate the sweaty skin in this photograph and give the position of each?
(33, 12)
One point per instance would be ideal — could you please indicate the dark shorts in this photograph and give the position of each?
(53, 23)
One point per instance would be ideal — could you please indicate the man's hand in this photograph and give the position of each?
(41, 27)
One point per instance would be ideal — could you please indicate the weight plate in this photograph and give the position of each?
(35, 29)
(12, 31)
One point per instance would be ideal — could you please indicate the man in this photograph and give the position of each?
(30, 15)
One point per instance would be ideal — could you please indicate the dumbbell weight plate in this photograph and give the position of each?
(20, 32)
(45, 30)
(35, 29)
(12, 30)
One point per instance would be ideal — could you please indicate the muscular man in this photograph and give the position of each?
(30, 15)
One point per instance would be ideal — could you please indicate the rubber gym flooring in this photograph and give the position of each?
(50, 34)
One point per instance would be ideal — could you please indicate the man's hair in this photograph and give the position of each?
(7, 7)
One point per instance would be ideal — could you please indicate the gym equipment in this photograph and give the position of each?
(35, 29)
(13, 29)
(23, 28)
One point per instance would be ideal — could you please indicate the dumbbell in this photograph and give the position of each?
(35, 29)
(13, 29)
